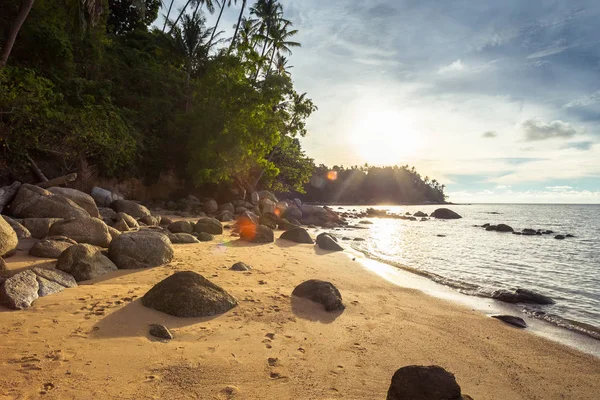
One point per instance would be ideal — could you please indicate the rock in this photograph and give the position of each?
(166, 221)
(225, 216)
(20, 230)
(108, 215)
(240, 266)
(521, 296)
(420, 214)
(286, 225)
(181, 227)
(84, 262)
(560, 237)
(104, 197)
(509, 319)
(320, 292)
(227, 207)
(130, 207)
(205, 237)
(20, 290)
(39, 227)
(416, 382)
(292, 212)
(34, 202)
(269, 219)
(254, 198)
(365, 222)
(83, 230)
(267, 206)
(504, 228)
(188, 294)
(327, 242)
(445, 213)
(150, 220)
(257, 234)
(491, 228)
(567, 235)
(247, 218)
(143, 249)
(51, 248)
(80, 198)
(265, 194)
(240, 209)
(182, 238)
(209, 225)
(51, 274)
(297, 235)
(125, 222)
(4, 271)
(210, 206)
(359, 239)
(8, 239)
(529, 232)
(160, 331)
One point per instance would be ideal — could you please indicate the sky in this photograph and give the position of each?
(498, 100)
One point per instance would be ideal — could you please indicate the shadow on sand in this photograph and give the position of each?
(309, 310)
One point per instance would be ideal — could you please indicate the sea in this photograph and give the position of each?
(471, 261)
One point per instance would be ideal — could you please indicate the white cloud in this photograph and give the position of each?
(559, 188)
(503, 187)
(456, 66)
(584, 100)
(535, 129)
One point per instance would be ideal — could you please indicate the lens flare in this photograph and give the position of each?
(332, 175)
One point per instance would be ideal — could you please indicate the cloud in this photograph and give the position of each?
(490, 134)
(584, 100)
(456, 66)
(535, 129)
(547, 52)
(583, 146)
(559, 188)
(503, 187)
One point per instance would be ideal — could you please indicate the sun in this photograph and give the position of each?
(385, 137)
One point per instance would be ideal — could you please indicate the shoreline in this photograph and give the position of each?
(92, 341)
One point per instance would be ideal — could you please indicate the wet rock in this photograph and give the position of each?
(559, 237)
(182, 238)
(416, 382)
(160, 331)
(83, 230)
(181, 227)
(80, 198)
(8, 239)
(365, 222)
(445, 213)
(504, 228)
(209, 225)
(34, 202)
(188, 294)
(327, 242)
(20, 290)
(359, 239)
(420, 214)
(240, 266)
(567, 235)
(143, 249)
(297, 235)
(51, 247)
(205, 237)
(84, 262)
(521, 296)
(320, 292)
(509, 319)
(257, 234)
(20, 230)
(130, 208)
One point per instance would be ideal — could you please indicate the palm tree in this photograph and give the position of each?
(167, 16)
(237, 26)
(223, 2)
(209, 6)
(281, 65)
(268, 12)
(279, 40)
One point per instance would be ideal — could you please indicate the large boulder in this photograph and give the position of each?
(269, 219)
(20, 290)
(143, 249)
(20, 230)
(181, 227)
(327, 242)
(225, 216)
(504, 228)
(416, 382)
(320, 292)
(210, 206)
(267, 206)
(227, 207)
(39, 227)
(445, 213)
(292, 212)
(257, 234)
(130, 207)
(108, 215)
(51, 247)
(521, 296)
(209, 225)
(254, 198)
(188, 294)
(84, 262)
(104, 197)
(297, 235)
(34, 202)
(8, 238)
(83, 230)
(182, 238)
(420, 214)
(125, 220)
(286, 225)
(150, 220)
(265, 194)
(80, 198)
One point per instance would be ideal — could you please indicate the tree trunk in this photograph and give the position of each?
(37, 171)
(262, 172)
(61, 180)
(212, 36)
(237, 27)
(180, 15)
(7, 193)
(197, 7)
(167, 17)
(259, 67)
(270, 62)
(14, 30)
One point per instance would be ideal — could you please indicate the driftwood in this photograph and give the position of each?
(37, 171)
(61, 180)
(7, 193)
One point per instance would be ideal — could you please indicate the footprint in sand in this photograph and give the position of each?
(272, 361)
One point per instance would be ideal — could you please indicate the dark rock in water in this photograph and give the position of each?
(327, 242)
(143, 249)
(420, 214)
(445, 213)
(359, 239)
(240, 266)
(20, 290)
(297, 235)
(560, 237)
(521, 296)
(209, 225)
(84, 262)
(517, 233)
(529, 232)
(205, 237)
(485, 225)
(504, 228)
(441, 235)
(569, 236)
(188, 294)
(509, 319)
(491, 228)
(182, 238)
(346, 238)
(160, 331)
(257, 234)
(417, 382)
(549, 232)
(51, 247)
(365, 222)
(320, 292)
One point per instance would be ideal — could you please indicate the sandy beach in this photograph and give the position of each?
(92, 341)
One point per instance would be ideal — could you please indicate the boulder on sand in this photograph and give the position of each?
(20, 230)
(240, 266)
(204, 237)
(182, 238)
(297, 235)
(83, 230)
(150, 220)
(130, 207)
(293, 212)
(181, 227)
(445, 213)
(210, 206)
(327, 242)
(209, 225)
(84, 262)
(8, 238)
(51, 247)
(257, 234)
(34, 202)
(521, 296)
(416, 382)
(80, 198)
(188, 294)
(320, 292)
(39, 227)
(142, 249)
(20, 290)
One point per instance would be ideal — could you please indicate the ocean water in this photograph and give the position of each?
(477, 262)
